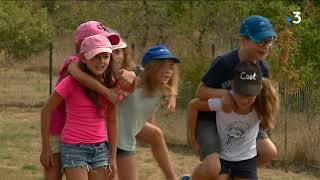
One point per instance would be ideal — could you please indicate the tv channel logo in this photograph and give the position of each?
(296, 19)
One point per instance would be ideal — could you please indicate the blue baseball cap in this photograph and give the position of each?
(257, 28)
(158, 52)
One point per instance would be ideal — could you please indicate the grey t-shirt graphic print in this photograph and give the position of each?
(236, 134)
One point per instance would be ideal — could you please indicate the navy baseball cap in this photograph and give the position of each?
(158, 52)
(247, 79)
(257, 28)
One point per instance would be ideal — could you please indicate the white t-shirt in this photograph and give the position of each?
(237, 132)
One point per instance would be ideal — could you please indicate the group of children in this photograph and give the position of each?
(102, 105)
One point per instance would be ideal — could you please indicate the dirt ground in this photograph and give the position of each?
(20, 147)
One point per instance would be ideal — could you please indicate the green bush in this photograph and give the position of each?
(189, 28)
(25, 29)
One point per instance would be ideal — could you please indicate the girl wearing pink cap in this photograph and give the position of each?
(84, 152)
(71, 67)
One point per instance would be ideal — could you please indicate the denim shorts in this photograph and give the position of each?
(241, 169)
(90, 156)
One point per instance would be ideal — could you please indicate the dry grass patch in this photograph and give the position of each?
(20, 149)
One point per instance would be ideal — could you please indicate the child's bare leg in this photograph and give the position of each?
(209, 169)
(223, 177)
(98, 174)
(77, 173)
(267, 151)
(153, 135)
(54, 173)
(127, 167)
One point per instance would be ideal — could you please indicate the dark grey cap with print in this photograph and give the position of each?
(247, 79)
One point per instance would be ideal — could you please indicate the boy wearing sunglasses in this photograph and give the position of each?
(256, 40)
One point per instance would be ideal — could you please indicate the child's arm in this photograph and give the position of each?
(171, 104)
(112, 130)
(126, 80)
(205, 92)
(54, 100)
(90, 82)
(129, 79)
(194, 106)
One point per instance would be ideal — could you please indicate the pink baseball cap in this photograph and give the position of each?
(94, 27)
(93, 45)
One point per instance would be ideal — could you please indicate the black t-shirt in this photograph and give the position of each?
(221, 72)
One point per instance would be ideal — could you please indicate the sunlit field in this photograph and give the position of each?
(20, 149)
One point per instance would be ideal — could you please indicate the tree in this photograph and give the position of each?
(24, 29)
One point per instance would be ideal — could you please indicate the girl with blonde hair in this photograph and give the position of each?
(157, 83)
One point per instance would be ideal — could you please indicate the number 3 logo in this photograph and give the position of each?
(297, 17)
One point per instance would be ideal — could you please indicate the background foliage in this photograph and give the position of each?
(195, 30)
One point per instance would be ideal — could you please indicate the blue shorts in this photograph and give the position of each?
(90, 156)
(242, 169)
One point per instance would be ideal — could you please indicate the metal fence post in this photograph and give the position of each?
(50, 68)
(133, 48)
(213, 50)
(285, 128)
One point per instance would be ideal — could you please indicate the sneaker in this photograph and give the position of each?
(185, 177)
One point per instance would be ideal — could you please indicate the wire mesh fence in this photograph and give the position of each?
(24, 84)
(297, 131)
(296, 134)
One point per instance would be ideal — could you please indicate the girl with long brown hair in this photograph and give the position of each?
(255, 102)
(83, 148)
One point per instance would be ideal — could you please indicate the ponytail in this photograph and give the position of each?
(267, 104)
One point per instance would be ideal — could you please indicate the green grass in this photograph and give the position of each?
(23, 88)
(20, 144)
(20, 149)
(26, 84)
